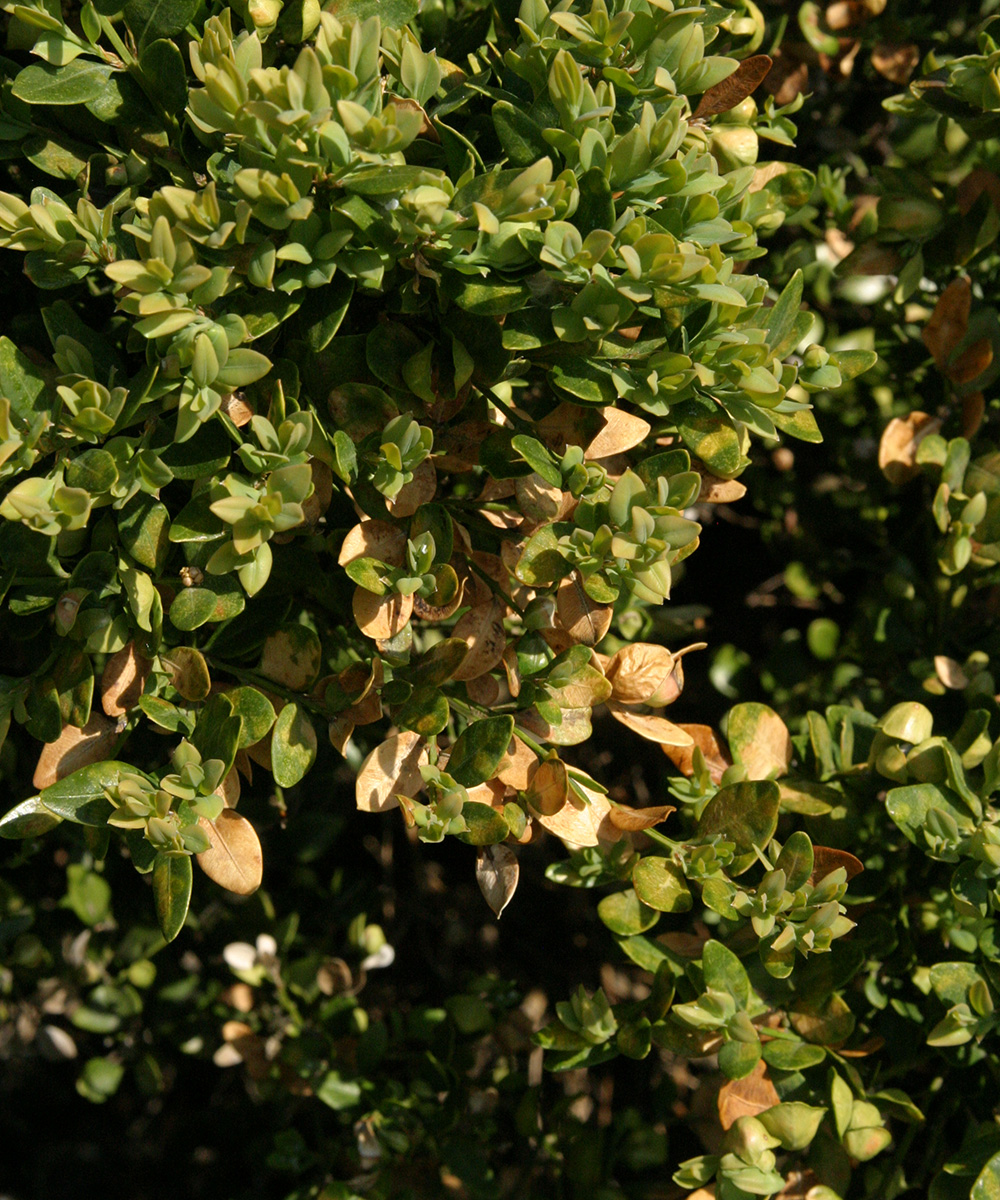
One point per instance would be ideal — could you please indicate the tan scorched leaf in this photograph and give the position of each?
(652, 728)
(621, 431)
(75, 748)
(374, 539)
(633, 820)
(897, 450)
(759, 738)
(381, 617)
(584, 620)
(746, 1097)
(390, 769)
(233, 860)
(123, 680)
(702, 738)
(581, 824)
(482, 631)
(188, 672)
(949, 321)
(497, 873)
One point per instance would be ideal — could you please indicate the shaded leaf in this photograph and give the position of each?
(172, 883)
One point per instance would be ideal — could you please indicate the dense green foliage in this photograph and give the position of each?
(375, 376)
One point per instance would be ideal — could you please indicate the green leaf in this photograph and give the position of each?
(30, 818)
(75, 83)
(710, 435)
(144, 527)
(217, 733)
(426, 712)
(80, 797)
(393, 14)
(786, 1055)
(172, 882)
(724, 972)
(293, 745)
(162, 65)
(338, 1093)
(625, 914)
(583, 382)
(520, 136)
(738, 1059)
(152, 19)
(660, 883)
(20, 380)
(256, 711)
(477, 754)
(87, 894)
(987, 1185)
(796, 860)
(745, 814)
(99, 1079)
(485, 825)
(217, 598)
(801, 424)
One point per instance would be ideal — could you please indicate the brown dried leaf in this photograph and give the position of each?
(419, 491)
(393, 767)
(949, 321)
(896, 62)
(972, 362)
(123, 680)
(497, 872)
(484, 690)
(374, 539)
(318, 500)
(582, 824)
(381, 617)
(622, 431)
(481, 628)
(292, 657)
(950, 672)
(584, 620)
(512, 669)
(188, 672)
(827, 859)
(703, 737)
(515, 770)
(548, 787)
(75, 748)
(234, 859)
(718, 491)
(639, 671)
(433, 613)
(973, 411)
(868, 1047)
(537, 500)
(746, 1097)
(340, 730)
(978, 180)
(229, 789)
(735, 88)
(632, 820)
(897, 450)
(236, 409)
(653, 729)
(842, 14)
